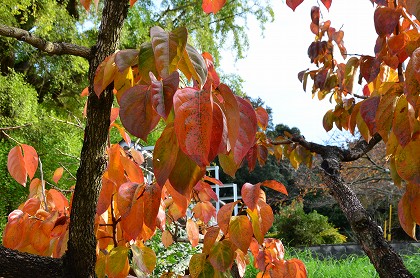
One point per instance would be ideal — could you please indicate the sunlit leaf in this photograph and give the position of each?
(125, 197)
(193, 65)
(219, 134)
(401, 123)
(13, 232)
(152, 194)
(212, 6)
(262, 117)
(117, 264)
(204, 211)
(167, 238)
(407, 161)
(385, 114)
(132, 223)
(16, 165)
(240, 232)
(56, 200)
(58, 173)
(144, 260)
(168, 48)
(275, 185)
(146, 62)
(230, 108)
(133, 171)
(193, 123)
(126, 58)
(192, 232)
(327, 3)
(31, 206)
(30, 157)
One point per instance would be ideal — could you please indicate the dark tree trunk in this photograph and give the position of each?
(80, 257)
(386, 261)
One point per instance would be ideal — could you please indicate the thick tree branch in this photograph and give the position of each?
(361, 148)
(18, 264)
(57, 48)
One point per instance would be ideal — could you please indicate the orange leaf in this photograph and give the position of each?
(407, 161)
(193, 123)
(262, 117)
(404, 214)
(57, 201)
(210, 238)
(230, 108)
(192, 232)
(212, 6)
(16, 165)
(132, 223)
(125, 197)
(58, 173)
(162, 93)
(275, 185)
(219, 133)
(327, 3)
(204, 211)
(31, 206)
(401, 124)
(133, 171)
(167, 238)
(115, 167)
(13, 232)
(385, 114)
(31, 160)
(240, 232)
(86, 4)
(224, 215)
(144, 260)
(105, 196)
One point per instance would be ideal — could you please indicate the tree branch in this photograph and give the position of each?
(361, 148)
(57, 48)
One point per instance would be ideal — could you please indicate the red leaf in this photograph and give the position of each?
(250, 195)
(369, 68)
(31, 160)
(230, 108)
(58, 173)
(368, 110)
(193, 123)
(132, 223)
(16, 165)
(210, 237)
(185, 174)
(212, 6)
(152, 197)
(125, 197)
(219, 134)
(162, 93)
(315, 15)
(293, 4)
(126, 58)
(275, 185)
(386, 19)
(85, 4)
(168, 48)
(327, 3)
(164, 160)
(212, 76)
(262, 117)
(136, 111)
(132, 2)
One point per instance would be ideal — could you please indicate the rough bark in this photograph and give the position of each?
(386, 261)
(80, 257)
(17, 264)
(58, 48)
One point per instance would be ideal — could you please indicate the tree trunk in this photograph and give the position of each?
(385, 260)
(80, 258)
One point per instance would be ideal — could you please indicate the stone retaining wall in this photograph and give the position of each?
(343, 250)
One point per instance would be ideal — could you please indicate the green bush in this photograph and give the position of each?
(296, 228)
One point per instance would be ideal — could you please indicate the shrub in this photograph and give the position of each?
(295, 227)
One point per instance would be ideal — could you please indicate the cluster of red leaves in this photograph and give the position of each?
(390, 105)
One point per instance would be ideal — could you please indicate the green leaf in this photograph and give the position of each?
(407, 161)
(146, 63)
(221, 255)
(117, 262)
(240, 232)
(196, 265)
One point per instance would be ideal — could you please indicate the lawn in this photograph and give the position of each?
(350, 267)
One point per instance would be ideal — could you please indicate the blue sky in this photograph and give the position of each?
(273, 62)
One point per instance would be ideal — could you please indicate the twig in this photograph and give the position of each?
(10, 137)
(66, 154)
(57, 48)
(67, 170)
(43, 184)
(67, 122)
(14, 127)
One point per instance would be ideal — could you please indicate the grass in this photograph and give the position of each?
(350, 267)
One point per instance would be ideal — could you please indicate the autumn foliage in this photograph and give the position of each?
(203, 120)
